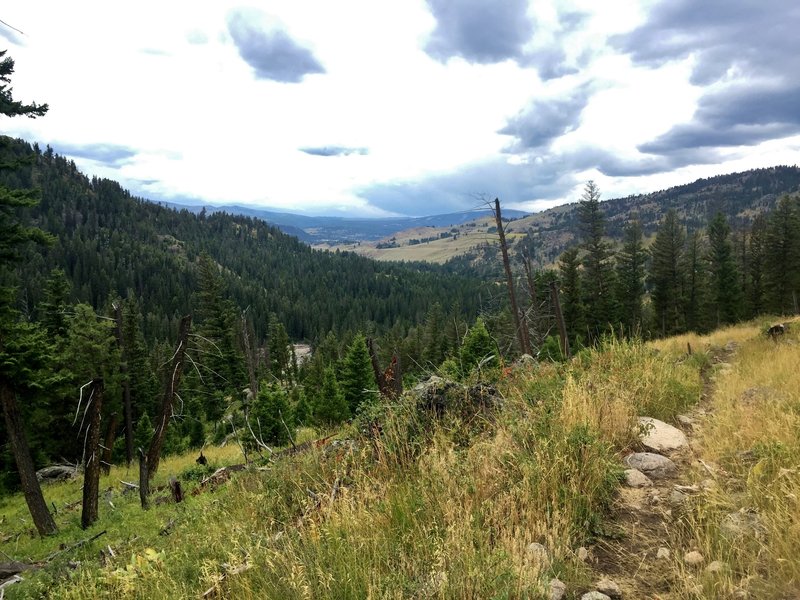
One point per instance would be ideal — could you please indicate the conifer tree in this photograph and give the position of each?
(630, 278)
(279, 350)
(272, 415)
(23, 348)
(666, 275)
(598, 270)
(571, 296)
(357, 379)
(478, 348)
(331, 407)
(694, 264)
(53, 308)
(782, 256)
(727, 293)
(756, 296)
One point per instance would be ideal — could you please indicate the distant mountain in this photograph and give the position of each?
(343, 230)
(472, 245)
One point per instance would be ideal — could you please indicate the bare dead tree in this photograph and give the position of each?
(144, 480)
(42, 518)
(126, 384)
(519, 321)
(108, 442)
(562, 327)
(173, 380)
(249, 354)
(91, 455)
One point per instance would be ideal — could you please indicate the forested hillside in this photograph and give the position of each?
(112, 244)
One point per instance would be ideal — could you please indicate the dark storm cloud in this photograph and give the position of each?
(480, 31)
(742, 115)
(544, 120)
(270, 52)
(750, 50)
(334, 150)
(112, 155)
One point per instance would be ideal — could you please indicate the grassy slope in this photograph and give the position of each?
(448, 507)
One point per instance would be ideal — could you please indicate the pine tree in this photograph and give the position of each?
(630, 278)
(22, 347)
(434, 338)
(571, 296)
(694, 264)
(598, 270)
(756, 296)
(782, 256)
(331, 407)
(272, 415)
(666, 275)
(52, 310)
(279, 349)
(727, 293)
(357, 378)
(478, 348)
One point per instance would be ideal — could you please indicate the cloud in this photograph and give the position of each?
(110, 154)
(334, 150)
(466, 188)
(543, 120)
(11, 36)
(480, 31)
(196, 37)
(749, 52)
(270, 51)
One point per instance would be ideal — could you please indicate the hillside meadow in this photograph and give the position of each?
(486, 500)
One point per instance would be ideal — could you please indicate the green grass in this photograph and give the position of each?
(439, 506)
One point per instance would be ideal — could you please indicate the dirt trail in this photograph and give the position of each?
(642, 517)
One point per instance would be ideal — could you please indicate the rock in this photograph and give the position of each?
(526, 361)
(56, 473)
(716, 566)
(558, 589)
(708, 484)
(595, 596)
(654, 466)
(538, 555)
(677, 498)
(663, 553)
(583, 554)
(636, 479)
(609, 587)
(686, 421)
(659, 436)
(693, 559)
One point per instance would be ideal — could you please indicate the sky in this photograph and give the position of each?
(413, 107)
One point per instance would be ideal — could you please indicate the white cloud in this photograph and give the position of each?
(168, 81)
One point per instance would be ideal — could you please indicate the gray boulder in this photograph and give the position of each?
(654, 466)
(658, 436)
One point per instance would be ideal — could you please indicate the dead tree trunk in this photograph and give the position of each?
(126, 385)
(562, 327)
(376, 368)
(108, 442)
(144, 480)
(170, 387)
(42, 518)
(250, 360)
(519, 322)
(91, 453)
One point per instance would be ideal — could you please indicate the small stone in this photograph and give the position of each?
(693, 558)
(583, 554)
(686, 421)
(662, 553)
(609, 587)
(653, 465)
(558, 589)
(538, 555)
(658, 436)
(595, 596)
(715, 567)
(636, 479)
(677, 498)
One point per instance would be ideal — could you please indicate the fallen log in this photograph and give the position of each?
(55, 473)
